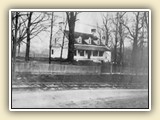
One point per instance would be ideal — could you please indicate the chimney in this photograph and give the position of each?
(61, 26)
(93, 31)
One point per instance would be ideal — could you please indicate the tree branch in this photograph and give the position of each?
(128, 30)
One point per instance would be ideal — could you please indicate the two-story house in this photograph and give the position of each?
(87, 46)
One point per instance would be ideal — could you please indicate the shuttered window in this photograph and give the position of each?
(81, 52)
(95, 53)
(100, 53)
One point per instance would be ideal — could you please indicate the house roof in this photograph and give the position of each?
(84, 41)
(85, 37)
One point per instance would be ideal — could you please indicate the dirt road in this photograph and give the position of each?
(89, 98)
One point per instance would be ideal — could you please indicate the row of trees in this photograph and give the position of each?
(117, 27)
(27, 25)
(121, 27)
(24, 27)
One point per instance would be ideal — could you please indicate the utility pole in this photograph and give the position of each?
(50, 39)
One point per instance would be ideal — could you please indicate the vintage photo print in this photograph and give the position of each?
(79, 60)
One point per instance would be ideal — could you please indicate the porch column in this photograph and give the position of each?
(77, 54)
(91, 53)
(85, 54)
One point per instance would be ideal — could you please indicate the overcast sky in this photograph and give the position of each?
(86, 21)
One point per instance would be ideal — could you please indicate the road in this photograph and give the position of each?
(86, 98)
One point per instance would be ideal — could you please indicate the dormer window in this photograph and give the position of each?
(98, 42)
(89, 41)
(80, 39)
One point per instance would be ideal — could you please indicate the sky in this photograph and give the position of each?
(85, 22)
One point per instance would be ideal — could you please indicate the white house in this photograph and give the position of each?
(87, 46)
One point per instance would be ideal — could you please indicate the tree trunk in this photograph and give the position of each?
(115, 50)
(19, 49)
(134, 53)
(50, 39)
(116, 40)
(71, 43)
(146, 19)
(28, 37)
(135, 46)
(121, 43)
(107, 37)
(63, 40)
(14, 47)
(71, 17)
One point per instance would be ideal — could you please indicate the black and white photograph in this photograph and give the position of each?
(79, 60)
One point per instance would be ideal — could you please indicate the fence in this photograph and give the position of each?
(113, 68)
(42, 68)
(45, 68)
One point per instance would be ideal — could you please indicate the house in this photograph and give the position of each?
(87, 46)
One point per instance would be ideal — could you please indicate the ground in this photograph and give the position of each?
(84, 98)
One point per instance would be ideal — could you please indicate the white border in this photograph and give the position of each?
(86, 10)
(150, 56)
(10, 85)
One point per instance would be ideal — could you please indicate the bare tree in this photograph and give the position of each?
(146, 20)
(107, 28)
(99, 31)
(121, 36)
(143, 40)
(14, 44)
(18, 28)
(29, 15)
(50, 39)
(63, 39)
(29, 25)
(71, 17)
(134, 33)
(38, 24)
(115, 32)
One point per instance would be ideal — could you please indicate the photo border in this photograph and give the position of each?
(83, 109)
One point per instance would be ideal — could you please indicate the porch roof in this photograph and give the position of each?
(91, 47)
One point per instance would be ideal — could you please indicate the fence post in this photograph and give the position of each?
(111, 68)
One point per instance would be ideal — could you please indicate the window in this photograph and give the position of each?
(52, 52)
(95, 53)
(89, 41)
(79, 39)
(100, 53)
(75, 53)
(81, 52)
